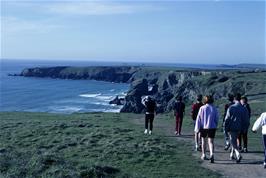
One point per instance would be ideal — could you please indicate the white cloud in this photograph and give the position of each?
(99, 8)
(12, 24)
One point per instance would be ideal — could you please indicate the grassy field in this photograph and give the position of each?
(103, 145)
(90, 145)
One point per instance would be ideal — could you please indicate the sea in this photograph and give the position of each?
(32, 94)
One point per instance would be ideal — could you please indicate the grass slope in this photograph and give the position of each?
(90, 145)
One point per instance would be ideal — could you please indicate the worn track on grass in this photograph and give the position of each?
(249, 167)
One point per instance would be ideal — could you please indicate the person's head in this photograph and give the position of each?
(237, 97)
(179, 98)
(244, 100)
(199, 98)
(208, 99)
(230, 97)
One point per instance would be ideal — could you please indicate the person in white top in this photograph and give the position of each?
(261, 122)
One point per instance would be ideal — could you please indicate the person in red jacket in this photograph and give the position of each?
(194, 112)
(179, 109)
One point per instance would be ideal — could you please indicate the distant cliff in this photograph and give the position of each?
(163, 83)
(110, 74)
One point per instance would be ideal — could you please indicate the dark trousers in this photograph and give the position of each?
(243, 135)
(264, 141)
(178, 123)
(149, 119)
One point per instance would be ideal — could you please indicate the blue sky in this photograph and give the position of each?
(210, 32)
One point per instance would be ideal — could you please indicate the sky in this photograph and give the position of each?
(209, 32)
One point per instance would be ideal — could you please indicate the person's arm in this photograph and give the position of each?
(225, 111)
(249, 110)
(143, 101)
(174, 109)
(227, 120)
(192, 111)
(197, 124)
(257, 124)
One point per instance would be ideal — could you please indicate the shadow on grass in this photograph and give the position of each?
(179, 136)
(231, 162)
(254, 152)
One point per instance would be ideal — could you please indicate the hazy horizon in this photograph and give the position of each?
(125, 62)
(185, 32)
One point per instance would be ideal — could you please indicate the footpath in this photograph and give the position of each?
(249, 167)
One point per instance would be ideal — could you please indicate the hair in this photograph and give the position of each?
(230, 97)
(208, 99)
(244, 98)
(237, 96)
(199, 97)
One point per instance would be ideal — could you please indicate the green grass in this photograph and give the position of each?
(90, 145)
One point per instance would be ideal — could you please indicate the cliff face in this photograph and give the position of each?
(163, 84)
(110, 74)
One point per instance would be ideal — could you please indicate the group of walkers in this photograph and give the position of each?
(236, 122)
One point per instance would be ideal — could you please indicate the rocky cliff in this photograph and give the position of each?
(163, 83)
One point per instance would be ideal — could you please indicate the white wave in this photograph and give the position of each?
(102, 103)
(104, 98)
(90, 95)
(112, 90)
(112, 110)
(123, 93)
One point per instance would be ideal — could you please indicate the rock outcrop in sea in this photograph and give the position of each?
(163, 84)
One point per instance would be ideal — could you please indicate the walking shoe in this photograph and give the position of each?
(203, 157)
(150, 132)
(212, 159)
(232, 157)
(176, 132)
(226, 147)
(239, 159)
(245, 150)
(145, 131)
(197, 148)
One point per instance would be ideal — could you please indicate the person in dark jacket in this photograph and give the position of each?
(179, 109)
(150, 106)
(244, 132)
(226, 135)
(236, 118)
(194, 112)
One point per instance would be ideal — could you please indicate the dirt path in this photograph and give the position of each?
(250, 166)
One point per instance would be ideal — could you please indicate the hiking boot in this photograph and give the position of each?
(145, 131)
(239, 159)
(212, 159)
(245, 150)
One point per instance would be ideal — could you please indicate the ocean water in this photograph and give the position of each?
(55, 95)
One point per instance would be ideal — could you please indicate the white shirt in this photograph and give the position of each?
(260, 122)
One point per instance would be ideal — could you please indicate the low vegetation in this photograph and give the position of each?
(90, 145)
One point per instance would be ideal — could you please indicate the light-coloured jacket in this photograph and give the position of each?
(260, 122)
(207, 118)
